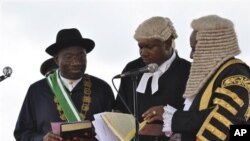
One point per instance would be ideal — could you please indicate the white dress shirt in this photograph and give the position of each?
(70, 84)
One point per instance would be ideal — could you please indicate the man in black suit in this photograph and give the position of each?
(68, 94)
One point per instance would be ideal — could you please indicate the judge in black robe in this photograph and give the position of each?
(218, 88)
(171, 88)
(156, 41)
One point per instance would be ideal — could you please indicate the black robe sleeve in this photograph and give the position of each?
(228, 104)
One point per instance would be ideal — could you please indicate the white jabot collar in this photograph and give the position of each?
(156, 75)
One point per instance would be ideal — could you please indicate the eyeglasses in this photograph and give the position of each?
(70, 58)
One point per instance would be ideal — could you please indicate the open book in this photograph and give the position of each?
(69, 130)
(117, 126)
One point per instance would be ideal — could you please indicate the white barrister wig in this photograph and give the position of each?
(216, 43)
(155, 28)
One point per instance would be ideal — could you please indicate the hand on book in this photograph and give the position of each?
(80, 139)
(52, 137)
(154, 113)
(73, 131)
(152, 130)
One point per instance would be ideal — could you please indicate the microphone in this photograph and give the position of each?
(7, 71)
(149, 68)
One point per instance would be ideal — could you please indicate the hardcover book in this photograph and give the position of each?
(69, 130)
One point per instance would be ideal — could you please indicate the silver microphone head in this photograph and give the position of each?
(7, 71)
(152, 67)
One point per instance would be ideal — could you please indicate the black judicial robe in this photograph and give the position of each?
(39, 109)
(227, 105)
(171, 88)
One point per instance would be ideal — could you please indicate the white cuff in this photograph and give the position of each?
(167, 119)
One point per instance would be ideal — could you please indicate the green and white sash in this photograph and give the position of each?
(63, 97)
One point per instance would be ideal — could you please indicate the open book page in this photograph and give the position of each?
(103, 132)
(123, 125)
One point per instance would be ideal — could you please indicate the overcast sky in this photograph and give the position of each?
(29, 27)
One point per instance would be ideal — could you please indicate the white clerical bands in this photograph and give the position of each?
(154, 84)
(141, 88)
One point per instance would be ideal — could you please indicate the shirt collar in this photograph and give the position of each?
(69, 84)
(164, 66)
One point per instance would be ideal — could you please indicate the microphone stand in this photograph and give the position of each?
(134, 82)
(2, 77)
